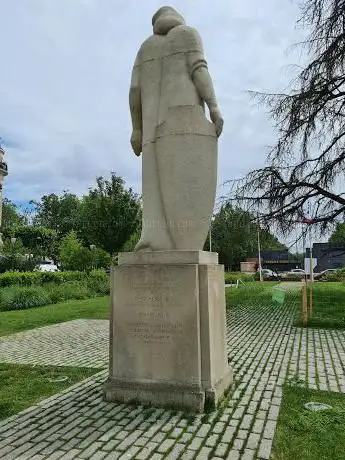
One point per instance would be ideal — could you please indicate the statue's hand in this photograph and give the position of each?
(136, 142)
(217, 119)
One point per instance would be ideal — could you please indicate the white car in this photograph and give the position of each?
(296, 271)
(47, 268)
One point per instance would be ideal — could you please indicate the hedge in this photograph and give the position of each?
(339, 275)
(41, 278)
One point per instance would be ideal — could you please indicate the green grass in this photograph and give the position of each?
(22, 320)
(328, 306)
(306, 435)
(23, 386)
(250, 294)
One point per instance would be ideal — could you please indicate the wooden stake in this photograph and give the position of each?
(304, 305)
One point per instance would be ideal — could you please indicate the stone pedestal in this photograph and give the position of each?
(168, 331)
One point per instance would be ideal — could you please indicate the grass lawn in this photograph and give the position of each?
(22, 320)
(22, 386)
(306, 435)
(255, 294)
(328, 306)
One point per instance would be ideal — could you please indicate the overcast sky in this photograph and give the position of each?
(64, 79)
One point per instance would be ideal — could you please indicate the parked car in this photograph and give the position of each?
(268, 275)
(295, 273)
(47, 268)
(322, 276)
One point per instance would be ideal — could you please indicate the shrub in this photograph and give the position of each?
(98, 282)
(38, 278)
(17, 262)
(70, 290)
(293, 277)
(19, 298)
(25, 290)
(232, 277)
(339, 275)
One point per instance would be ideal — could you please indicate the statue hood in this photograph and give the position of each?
(165, 19)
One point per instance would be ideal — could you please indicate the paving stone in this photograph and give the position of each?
(195, 444)
(265, 449)
(248, 455)
(222, 449)
(203, 454)
(176, 451)
(238, 444)
(253, 441)
(269, 429)
(146, 451)
(233, 455)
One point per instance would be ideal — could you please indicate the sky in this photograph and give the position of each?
(65, 73)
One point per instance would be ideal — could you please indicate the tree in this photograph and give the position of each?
(15, 257)
(59, 213)
(109, 214)
(75, 256)
(131, 242)
(234, 236)
(10, 214)
(40, 241)
(70, 249)
(338, 236)
(306, 165)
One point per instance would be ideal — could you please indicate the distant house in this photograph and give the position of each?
(328, 255)
(278, 260)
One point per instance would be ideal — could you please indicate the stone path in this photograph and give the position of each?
(264, 350)
(79, 343)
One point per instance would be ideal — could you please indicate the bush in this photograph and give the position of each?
(98, 282)
(38, 278)
(18, 263)
(293, 277)
(339, 275)
(77, 290)
(20, 298)
(232, 277)
(25, 290)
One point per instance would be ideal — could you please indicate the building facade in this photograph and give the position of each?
(328, 255)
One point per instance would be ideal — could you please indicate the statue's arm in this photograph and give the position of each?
(201, 78)
(135, 109)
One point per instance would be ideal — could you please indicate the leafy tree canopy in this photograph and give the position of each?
(338, 236)
(234, 236)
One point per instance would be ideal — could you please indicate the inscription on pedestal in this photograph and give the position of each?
(156, 323)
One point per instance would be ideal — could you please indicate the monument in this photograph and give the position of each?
(3, 173)
(168, 332)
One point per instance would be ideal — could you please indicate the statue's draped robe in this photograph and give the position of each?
(163, 71)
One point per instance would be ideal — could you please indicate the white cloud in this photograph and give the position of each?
(64, 84)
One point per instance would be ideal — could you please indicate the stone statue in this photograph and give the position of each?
(169, 88)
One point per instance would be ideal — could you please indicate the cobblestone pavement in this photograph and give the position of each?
(79, 343)
(264, 350)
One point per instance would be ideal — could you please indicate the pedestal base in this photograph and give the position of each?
(168, 331)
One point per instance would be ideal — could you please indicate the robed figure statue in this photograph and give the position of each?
(169, 89)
